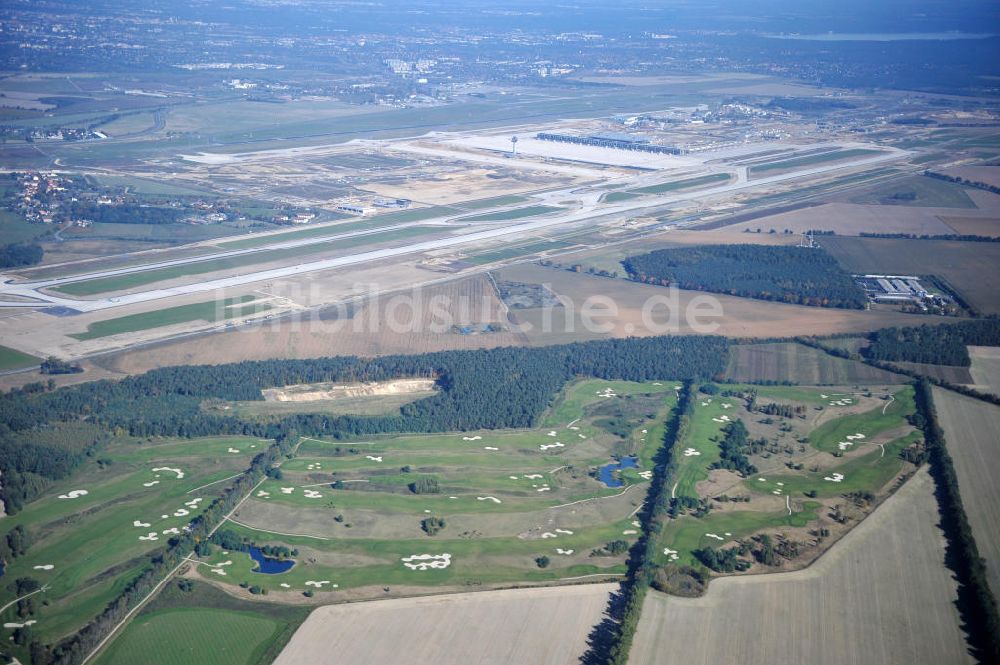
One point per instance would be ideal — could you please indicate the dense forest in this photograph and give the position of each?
(936, 345)
(804, 276)
(481, 389)
(17, 255)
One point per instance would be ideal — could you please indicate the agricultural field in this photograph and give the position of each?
(788, 361)
(985, 368)
(881, 594)
(175, 626)
(547, 626)
(967, 267)
(917, 191)
(462, 509)
(92, 533)
(970, 429)
(805, 457)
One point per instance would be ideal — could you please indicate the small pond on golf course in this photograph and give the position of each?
(267, 565)
(607, 473)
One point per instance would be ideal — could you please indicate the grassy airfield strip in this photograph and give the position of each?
(838, 448)
(508, 498)
(210, 312)
(89, 287)
(14, 359)
(92, 533)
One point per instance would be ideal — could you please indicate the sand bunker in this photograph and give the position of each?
(547, 446)
(543, 489)
(566, 531)
(646, 475)
(490, 448)
(285, 585)
(690, 452)
(607, 392)
(140, 523)
(374, 458)
(218, 571)
(287, 490)
(549, 534)
(629, 532)
(12, 624)
(73, 494)
(180, 474)
(314, 466)
(835, 477)
(552, 433)
(44, 566)
(472, 438)
(427, 561)
(193, 503)
(232, 450)
(172, 531)
(713, 535)
(317, 583)
(533, 476)
(182, 512)
(151, 483)
(312, 494)
(151, 536)
(562, 551)
(489, 498)
(671, 554)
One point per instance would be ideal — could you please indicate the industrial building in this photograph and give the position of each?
(892, 288)
(612, 140)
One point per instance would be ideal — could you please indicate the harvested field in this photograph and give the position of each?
(366, 332)
(741, 317)
(985, 367)
(881, 595)
(949, 373)
(968, 267)
(800, 364)
(543, 626)
(985, 174)
(970, 429)
(973, 226)
(847, 219)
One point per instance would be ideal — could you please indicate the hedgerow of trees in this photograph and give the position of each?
(936, 345)
(804, 276)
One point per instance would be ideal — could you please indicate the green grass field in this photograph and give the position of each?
(210, 312)
(91, 287)
(311, 232)
(676, 185)
(14, 228)
(14, 359)
(181, 636)
(919, 191)
(880, 419)
(517, 251)
(809, 160)
(508, 215)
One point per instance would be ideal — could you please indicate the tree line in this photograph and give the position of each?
(804, 276)
(936, 345)
(976, 601)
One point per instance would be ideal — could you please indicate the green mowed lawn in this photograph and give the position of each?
(686, 534)
(706, 424)
(91, 541)
(869, 472)
(569, 405)
(184, 636)
(210, 312)
(14, 359)
(892, 414)
(810, 160)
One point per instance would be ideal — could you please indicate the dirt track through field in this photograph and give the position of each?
(881, 596)
(546, 626)
(970, 430)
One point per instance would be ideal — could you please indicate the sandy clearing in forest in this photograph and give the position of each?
(881, 595)
(545, 626)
